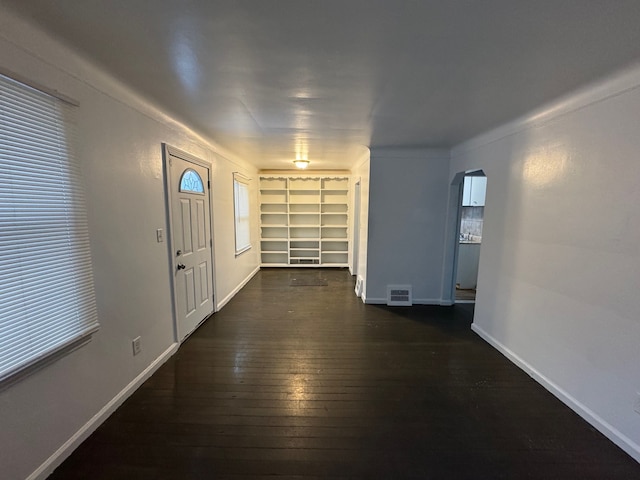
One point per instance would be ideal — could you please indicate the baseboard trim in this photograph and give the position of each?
(427, 301)
(374, 301)
(88, 428)
(613, 434)
(226, 299)
(416, 301)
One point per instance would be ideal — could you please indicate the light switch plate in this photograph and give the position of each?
(160, 235)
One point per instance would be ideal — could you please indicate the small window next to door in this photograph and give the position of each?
(191, 182)
(241, 213)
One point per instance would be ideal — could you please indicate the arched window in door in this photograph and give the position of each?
(191, 182)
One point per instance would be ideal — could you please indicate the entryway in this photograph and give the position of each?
(468, 191)
(474, 189)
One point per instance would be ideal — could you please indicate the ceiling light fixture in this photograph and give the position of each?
(301, 163)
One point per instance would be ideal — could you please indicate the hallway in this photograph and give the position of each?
(292, 380)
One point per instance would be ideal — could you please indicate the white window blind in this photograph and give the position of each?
(47, 300)
(241, 211)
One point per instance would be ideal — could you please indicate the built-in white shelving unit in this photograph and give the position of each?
(304, 220)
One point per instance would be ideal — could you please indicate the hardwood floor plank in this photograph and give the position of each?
(309, 383)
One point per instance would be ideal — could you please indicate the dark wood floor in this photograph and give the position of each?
(304, 382)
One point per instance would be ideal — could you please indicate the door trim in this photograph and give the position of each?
(169, 151)
(355, 247)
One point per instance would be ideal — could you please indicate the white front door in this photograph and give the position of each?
(191, 242)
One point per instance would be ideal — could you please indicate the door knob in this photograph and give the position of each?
(181, 266)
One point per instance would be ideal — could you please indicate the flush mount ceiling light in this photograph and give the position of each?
(301, 163)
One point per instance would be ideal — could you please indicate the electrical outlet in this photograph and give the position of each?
(137, 348)
(636, 404)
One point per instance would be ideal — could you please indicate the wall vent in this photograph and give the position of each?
(399, 295)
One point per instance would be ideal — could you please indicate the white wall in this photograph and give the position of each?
(560, 261)
(120, 135)
(407, 217)
(232, 272)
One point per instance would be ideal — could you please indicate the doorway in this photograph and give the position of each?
(464, 229)
(474, 187)
(355, 250)
(190, 238)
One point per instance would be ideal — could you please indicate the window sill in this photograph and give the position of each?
(240, 252)
(38, 364)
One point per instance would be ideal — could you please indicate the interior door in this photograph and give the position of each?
(191, 243)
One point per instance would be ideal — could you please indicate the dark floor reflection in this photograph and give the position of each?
(307, 382)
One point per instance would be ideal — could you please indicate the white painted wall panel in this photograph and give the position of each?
(232, 271)
(558, 278)
(407, 217)
(120, 147)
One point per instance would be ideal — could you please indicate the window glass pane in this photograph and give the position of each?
(191, 182)
(47, 301)
(242, 216)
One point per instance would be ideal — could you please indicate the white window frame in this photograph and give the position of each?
(47, 299)
(241, 213)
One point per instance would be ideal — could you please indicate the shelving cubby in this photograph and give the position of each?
(304, 220)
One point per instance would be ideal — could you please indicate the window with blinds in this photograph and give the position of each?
(241, 213)
(47, 300)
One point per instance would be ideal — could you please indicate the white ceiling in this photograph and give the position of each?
(274, 79)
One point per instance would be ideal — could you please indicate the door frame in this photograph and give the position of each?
(355, 248)
(168, 151)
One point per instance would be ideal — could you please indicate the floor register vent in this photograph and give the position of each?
(399, 295)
